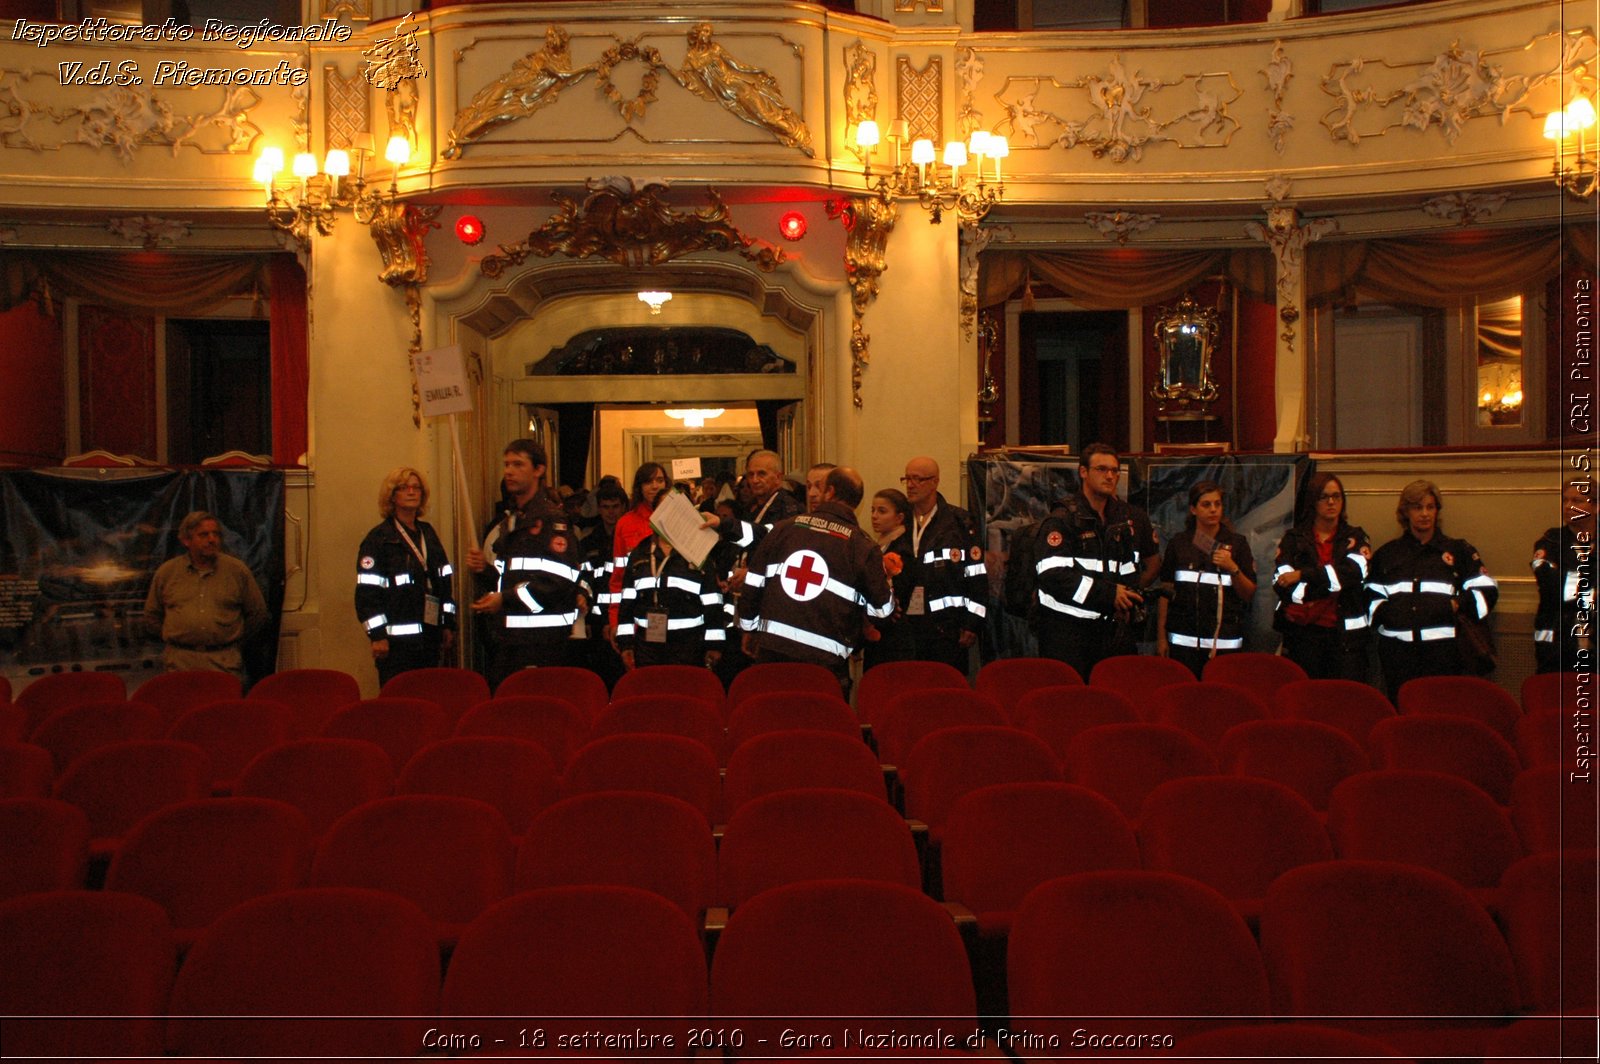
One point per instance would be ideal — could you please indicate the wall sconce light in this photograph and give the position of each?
(1573, 172)
(695, 419)
(320, 193)
(935, 189)
(655, 299)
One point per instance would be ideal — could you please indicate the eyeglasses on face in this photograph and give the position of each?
(911, 479)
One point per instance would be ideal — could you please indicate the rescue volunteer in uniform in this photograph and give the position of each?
(947, 577)
(1320, 578)
(812, 582)
(671, 613)
(1211, 575)
(1563, 629)
(1417, 583)
(1094, 551)
(403, 585)
(535, 572)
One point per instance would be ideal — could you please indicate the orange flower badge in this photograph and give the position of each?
(893, 565)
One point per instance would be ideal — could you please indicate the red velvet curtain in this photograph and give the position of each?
(291, 370)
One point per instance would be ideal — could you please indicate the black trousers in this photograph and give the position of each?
(410, 652)
(1326, 653)
(1080, 643)
(1404, 661)
(513, 655)
(929, 642)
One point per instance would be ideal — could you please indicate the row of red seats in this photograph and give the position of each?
(1400, 954)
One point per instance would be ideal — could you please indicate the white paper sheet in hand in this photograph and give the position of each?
(680, 524)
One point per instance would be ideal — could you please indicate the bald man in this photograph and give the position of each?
(949, 583)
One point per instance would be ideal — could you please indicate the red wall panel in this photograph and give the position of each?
(33, 380)
(117, 381)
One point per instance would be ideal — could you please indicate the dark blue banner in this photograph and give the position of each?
(78, 548)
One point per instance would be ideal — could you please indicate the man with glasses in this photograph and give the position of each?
(1093, 553)
(948, 580)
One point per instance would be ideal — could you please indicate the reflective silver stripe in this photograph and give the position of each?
(800, 635)
(402, 579)
(446, 570)
(1542, 561)
(1280, 570)
(1426, 635)
(948, 602)
(1360, 560)
(1128, 567)
(374, 623)
(619, 562)
(629, 594)
(716, 635)
(754, 579)
(1569, 590)
(978, 609)
(1084, 587)
(1544, 635)
(1298, 595)
(880, 612)
(405, 629)
(679, 623)
(545, 565)
(1435, 587)
(1055, 562)
(624, 628)
(1178, 639)
(1352, 624)
(1092, 564)
(528, 600)
(712, 598)
(949, 554)
(747, 535)
(372, 579)
(749, 624)
(449, 607)
(1480, 580)
(975, 570)
(1051, 603)
(544, 620)
(1483, 603)
(1192, 576)
(500, 566)
(1333, 579)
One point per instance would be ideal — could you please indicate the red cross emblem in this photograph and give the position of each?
(803, 575)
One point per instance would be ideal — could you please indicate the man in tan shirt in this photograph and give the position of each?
(205, 603)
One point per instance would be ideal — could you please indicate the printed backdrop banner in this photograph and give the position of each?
(78, 548)
(1010, 490)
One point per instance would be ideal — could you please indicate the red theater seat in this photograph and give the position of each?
(454, 690)
(1303, 755)
(780, 761)
(314, 695)
(515, 776)
(657, 764)
(400, 726)
(323, 778)
(44, 845)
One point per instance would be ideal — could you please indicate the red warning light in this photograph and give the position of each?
(792, 225)
(469, 229)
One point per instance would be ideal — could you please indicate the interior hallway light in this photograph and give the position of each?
(939, 191)
(655, 299)
(695, 418)
(1573, 171)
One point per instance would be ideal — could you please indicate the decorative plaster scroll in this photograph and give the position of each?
(921, 94)
(1124, 119)
(974, 240)
(969, 70)
(708, 71)
(1278, 188)
(1376, 96)
(124, 119)
(868, 220)
(632, 227)
(149, 231)
(1278, 72)
(1120, 225)
(301, 120)
(348, 10)
(932, 7)
(1287, 238)
(345, 106)
(1464, 208)
(860, 92)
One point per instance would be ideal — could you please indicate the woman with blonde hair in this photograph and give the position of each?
(1418, 583)
(403, 581)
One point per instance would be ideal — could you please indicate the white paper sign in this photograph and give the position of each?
(686, 469)
(442, 381)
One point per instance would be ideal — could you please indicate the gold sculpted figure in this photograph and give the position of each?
(751, 94)
(534, 82)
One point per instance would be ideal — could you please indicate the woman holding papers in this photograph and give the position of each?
(633, 528)
(1212, 579)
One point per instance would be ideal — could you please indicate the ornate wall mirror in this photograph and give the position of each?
(1186, 336)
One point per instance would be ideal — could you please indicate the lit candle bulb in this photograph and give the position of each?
(922, 154)
(999, 148)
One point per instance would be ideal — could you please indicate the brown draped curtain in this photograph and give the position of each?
(1447, 269)
(1119, 278)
